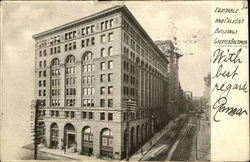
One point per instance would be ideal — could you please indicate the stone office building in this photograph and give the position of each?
(174, 100)
(103, 82)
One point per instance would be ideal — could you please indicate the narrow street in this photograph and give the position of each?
(181, 142)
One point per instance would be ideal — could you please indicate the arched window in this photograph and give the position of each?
(103, 52)
(88, 79)
(54, 135)
(55, 82)
(110, 51)
(106, 143)
(87, 143)
(70, 71)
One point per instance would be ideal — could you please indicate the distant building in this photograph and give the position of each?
(206, 94)
(174, 88)
(97, 73)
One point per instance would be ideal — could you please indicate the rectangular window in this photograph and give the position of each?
(110, 102)
(111, 23)
(90, 115)
(93, 41)
(102, 102)
(92, 28)
(102, 77)
(102, 116)
(72, 114)
(103, 39)
(84, 102)
(110, 116)
(84, 115)
(110, 64)
(102, 90)
(111, 36)
(83, 43)
(102, 25)
(110, 77)
(110, 90)
(102, 65)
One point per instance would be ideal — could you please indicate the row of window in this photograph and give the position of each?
(88, 67)
(70, 81)
(42, 64)
(55, 72)
(110, 37)
(42, 83)
(71, 70)
(55, 92)
(42, 73)
(72, 45)
(71, 114)
(103, 103)
(70, 91)
(103, 89)
(103, 77)
(128, 79)
(88, 102)
(42, 92)
(88, 79)
(130, 91)
(55, 50)
(88, 42)
(55, 102)
(107, 24)
(55, 82)
(103, 65)
(88, 30)
(128, 68)
(42, 53)
(88, 91)
(70, 35)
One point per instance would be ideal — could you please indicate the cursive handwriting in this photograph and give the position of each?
(220, 57)
(226, 88)
(221, 107)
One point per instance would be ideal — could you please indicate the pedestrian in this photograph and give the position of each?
(64, 148)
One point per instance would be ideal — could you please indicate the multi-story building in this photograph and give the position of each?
(168, 48)
(103, 82)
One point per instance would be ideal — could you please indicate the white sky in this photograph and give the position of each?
(21, 21)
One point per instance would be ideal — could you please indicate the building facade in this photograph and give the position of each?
(167, 47)
(103, 82)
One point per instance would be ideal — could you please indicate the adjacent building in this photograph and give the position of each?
(103, 83)
(167, 47)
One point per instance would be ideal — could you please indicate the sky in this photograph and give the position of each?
(22, 20)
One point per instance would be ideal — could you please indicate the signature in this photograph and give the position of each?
(221, 107)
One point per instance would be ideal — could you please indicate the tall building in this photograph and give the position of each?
(103, 82)
(167, 47)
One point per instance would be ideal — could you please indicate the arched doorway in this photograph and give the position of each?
(106, 143)
(142, 135)
(70, 136)
(132, 132)
(137, 136)
(87, 141)
(54, 135)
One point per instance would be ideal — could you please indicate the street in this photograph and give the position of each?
(181, 142)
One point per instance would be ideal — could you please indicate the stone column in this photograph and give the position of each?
(62, 85)
(61, 137)
(78, 84)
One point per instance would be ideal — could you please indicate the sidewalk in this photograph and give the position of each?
(203, 143)
(60, 153)
(149, 145)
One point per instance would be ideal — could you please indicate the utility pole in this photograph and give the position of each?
(128, 108)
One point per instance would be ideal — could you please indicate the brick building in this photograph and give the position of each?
(103, 82)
